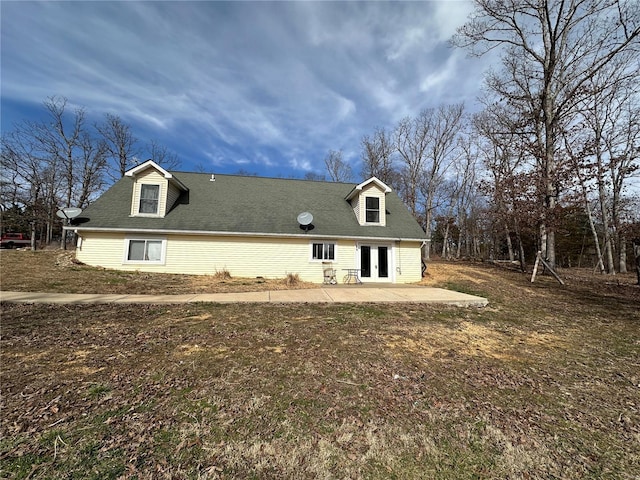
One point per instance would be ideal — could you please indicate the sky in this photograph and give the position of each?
(266, 88)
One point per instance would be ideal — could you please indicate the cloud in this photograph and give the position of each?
(273, 84)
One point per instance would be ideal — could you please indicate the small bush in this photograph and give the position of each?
(222, 274)
(292, 279)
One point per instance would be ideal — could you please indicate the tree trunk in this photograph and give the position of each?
(623, 254)
(523, 263)
(509, 244)
(444, 241)
(636, 253)
(608, 247)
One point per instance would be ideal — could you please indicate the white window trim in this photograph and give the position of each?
(141, 214)
(163, 251)
(321, 260)
(379, 222)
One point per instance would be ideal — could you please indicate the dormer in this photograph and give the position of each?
(368, 202)
(155, 190)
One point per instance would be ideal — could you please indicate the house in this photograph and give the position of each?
(153, 220)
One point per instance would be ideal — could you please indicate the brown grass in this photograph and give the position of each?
(58, 271)
(543, 383)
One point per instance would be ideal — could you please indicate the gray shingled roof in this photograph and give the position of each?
(252, 205)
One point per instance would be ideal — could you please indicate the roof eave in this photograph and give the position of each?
(151, 164)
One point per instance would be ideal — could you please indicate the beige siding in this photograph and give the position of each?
(408, 262)
(153, 177)
(172, 196)
(203, 255)
(355, 204)
(372, 190)
(101, 250)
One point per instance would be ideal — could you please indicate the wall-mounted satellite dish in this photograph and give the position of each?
(305, 219)
(69, 212)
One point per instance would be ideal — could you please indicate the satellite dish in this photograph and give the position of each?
(305, 218)
(69, 212)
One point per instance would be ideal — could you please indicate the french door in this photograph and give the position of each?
(375, 263)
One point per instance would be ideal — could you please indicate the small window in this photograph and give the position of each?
(372, 206)
(145, 251)
(323, 251)
(149, 195)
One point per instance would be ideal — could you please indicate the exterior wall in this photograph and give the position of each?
(408, 262)
(371, 190)
(355, 204)
(150, 176)
(242, 256)
(172, 196)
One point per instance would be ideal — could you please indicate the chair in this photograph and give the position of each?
(329, 274)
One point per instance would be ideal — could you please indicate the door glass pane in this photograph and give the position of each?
(383, 262)
(365, 261)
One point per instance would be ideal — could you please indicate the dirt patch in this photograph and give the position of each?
(471, 339)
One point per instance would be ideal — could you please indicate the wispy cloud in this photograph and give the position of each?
(275, 85)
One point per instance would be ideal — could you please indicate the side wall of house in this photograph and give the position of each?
(408, 262)
(242, 256)
(172, 196)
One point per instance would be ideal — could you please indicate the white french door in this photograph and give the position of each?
(375, 263)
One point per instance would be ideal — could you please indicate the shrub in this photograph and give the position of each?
(292, 279)
(222, 274)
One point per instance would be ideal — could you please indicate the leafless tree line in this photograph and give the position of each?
(557, 142)
(64, 161)
(562, 110)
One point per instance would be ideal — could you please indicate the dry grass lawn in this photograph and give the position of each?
(543, 383)
(56, 271)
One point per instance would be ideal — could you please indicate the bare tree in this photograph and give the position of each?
(53, 164)
(120, 144)
(377, 157)
(338, 169)
(551, 50)
(411, 142)
(163, 156)
(512, 201)
(59, 139)
(444, 128)
(91, 168)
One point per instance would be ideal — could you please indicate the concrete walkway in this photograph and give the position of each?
(333, 294)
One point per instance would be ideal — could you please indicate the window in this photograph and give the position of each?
(149, 195)
(151, 251)
(323, 251)
(372, 210)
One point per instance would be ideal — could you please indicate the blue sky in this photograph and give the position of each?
(266, 87)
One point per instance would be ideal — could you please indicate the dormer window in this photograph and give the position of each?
(149, 198)
(372, 210)
(368, 201)
(155, 191)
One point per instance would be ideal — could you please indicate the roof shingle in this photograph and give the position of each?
(251, 205)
